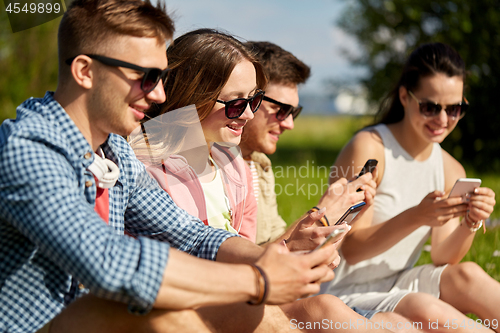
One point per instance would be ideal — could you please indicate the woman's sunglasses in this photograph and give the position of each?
(429, 109)
(285, 109)
(236, 107)
(151, 75)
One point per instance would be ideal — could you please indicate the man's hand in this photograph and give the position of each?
(295, 276)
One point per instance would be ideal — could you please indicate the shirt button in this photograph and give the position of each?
(88, 183)
(87, 155)
(81, 286)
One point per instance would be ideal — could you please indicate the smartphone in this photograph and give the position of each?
(463, 186)
(334, 236)
(368, 167)
(351, 213)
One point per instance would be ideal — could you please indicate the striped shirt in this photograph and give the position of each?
(255, 179)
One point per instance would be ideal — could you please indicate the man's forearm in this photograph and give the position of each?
(190, 282)
(238, 250)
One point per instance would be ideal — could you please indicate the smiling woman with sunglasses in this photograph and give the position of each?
(235, 107)
(414, 178)
(223, 83)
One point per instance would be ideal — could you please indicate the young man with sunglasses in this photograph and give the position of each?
(279, 108)
(86, 234)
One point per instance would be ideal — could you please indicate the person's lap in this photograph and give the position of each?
(92, 314)
(425, 279)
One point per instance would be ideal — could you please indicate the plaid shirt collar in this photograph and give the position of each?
(67, 126)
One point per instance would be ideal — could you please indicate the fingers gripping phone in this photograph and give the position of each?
(334, 236)
(351, 213)
(463, 186)
(368, 167)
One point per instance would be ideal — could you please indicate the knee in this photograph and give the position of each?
(465, 274)
(316, 308)
(420, 307)
(326, 304)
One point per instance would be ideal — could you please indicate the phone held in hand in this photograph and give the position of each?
(463, 186)
(334, 236)
(368, 167)
(351, 213)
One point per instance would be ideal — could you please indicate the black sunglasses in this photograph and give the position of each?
(430, 109)
(151, 75)
(285, 109)
(236, 107)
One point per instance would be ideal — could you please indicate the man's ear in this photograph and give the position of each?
(82, 71)
(403, 96)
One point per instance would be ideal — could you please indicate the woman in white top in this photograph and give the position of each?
(414, 177)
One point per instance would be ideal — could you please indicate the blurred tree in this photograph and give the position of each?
(28, 64)
(387, 31)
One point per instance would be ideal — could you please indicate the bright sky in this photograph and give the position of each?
(305, 28)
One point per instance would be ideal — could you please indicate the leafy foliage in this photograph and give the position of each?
(28, 63)
(388, 31)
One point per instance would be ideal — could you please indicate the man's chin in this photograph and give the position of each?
(269, 149)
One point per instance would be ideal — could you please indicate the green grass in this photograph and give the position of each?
(301, 165)
(484, 251)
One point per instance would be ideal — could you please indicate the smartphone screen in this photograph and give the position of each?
(351, 213)
(334, 236)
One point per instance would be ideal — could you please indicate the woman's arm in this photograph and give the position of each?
(452, 241)
(366, 240)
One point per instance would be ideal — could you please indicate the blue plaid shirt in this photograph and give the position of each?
(52, 240)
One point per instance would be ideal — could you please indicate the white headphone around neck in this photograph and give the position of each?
(105, 171)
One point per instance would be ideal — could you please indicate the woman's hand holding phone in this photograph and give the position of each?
(369, 167)
(436, 210)
(307, 236)
(481, 204)
(334, 238)
(481, 199)
(342, 194)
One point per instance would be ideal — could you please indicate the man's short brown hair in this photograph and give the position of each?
(89, 26)
(281, 66)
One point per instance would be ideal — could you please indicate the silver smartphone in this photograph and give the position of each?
(334, 236)
(463, 186)
(351, 213)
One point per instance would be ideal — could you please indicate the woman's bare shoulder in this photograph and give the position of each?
(452, 170)
(367, 140)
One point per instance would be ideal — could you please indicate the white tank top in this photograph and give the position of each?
(404, 184)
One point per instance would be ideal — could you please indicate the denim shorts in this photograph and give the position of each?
(368, 314)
